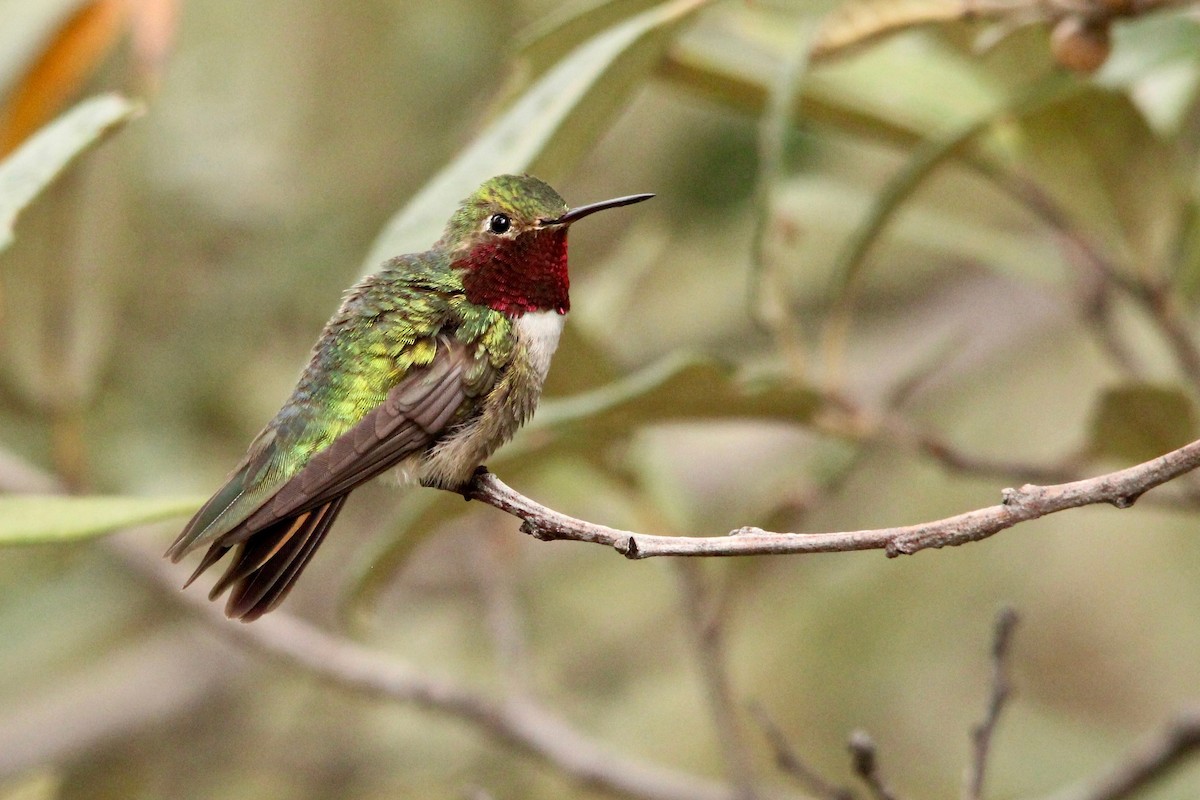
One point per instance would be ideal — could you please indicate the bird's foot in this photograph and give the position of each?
(466, 488)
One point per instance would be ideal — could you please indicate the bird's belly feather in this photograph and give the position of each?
(451, 462)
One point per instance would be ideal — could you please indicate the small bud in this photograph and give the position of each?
(1079, 44)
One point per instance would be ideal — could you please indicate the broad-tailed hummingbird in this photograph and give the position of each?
(429, 365)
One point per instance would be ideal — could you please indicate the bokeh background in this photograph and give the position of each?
(1021, 307)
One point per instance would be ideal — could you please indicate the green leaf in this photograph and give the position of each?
(682, 387)
(562, 29)
(1138, 422)
(1097, 156)
(47, 519)
(923, 162)
(595, 80)
(37, 162)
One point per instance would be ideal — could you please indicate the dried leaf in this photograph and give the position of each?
(153, 24)
(61, 71)
(859, 23)
(28, 171)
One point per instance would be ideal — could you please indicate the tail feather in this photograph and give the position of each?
(266, 565)
(263, 590)
(237, 499)
(212, 556)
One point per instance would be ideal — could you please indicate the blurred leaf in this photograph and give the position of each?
(61, 71)
(1097, 156)
(1155, 58)
(678, 387)
(37, 786)
(922, 164)
(736, 57)
(153, 25)
(28, 171)
(26, 28)
(605, 70)
(1138, 422)
(34, 519)
(566, 27)
(857, 23)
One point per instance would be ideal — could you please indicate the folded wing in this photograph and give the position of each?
(275, 525)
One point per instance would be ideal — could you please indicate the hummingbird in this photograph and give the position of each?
(428, 365)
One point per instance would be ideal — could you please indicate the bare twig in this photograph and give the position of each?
(517, 722)
(848, 421)
(853, 25)
(790, 762)
(1095, 297)
(1149, 760)
(1155, 298)
(981, 736)
(1119, 489)
(866, 765)
(702, 620)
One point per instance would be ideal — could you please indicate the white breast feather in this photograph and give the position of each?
(539, 332)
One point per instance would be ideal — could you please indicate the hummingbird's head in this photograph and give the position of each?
(509, 240)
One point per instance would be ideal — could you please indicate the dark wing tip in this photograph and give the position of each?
(266, 566)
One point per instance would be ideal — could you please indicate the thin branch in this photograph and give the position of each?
(866, 765)
(1096, 298)
(848, 421)
(1029, 502)
(1155, 298)
(517, 722)
(981, 736)
(1149, 760)
(702, 621)
(790, 762)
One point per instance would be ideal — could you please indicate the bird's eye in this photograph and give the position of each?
(499, 223)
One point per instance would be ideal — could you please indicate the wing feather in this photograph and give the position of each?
(275, 539)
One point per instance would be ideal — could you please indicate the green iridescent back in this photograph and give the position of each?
(386, 325)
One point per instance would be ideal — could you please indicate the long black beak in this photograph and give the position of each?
(579, 212)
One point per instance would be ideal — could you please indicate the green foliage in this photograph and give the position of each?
(1014, 242)
(563, 110)
(42, 519)
(1137, 422)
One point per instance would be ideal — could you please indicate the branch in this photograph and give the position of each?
(1154, 296)
(1148, 761)
(866, 765)
(1029, 502)
(517, 722)
(790, 762)
(701, 619)
(981, 736)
